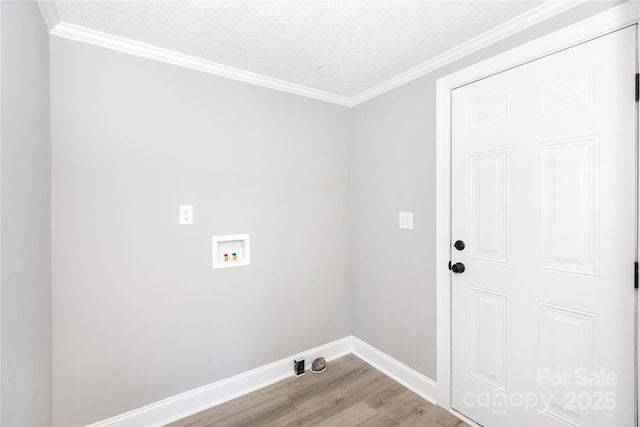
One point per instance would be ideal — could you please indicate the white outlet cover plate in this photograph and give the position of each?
(406, 220)
(186, 214)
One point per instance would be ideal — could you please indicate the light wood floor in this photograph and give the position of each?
(349, 393)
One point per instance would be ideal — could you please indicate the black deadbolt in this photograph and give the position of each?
(459, 245)
(458, 267)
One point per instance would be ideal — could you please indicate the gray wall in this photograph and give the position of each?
(25, 243)
(139, 314)
(394, 138)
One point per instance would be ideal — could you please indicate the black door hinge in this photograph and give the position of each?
(637, 87)
(635, 275)
(450, 265)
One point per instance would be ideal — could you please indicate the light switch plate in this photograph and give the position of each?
(186, 214)
(406, 220)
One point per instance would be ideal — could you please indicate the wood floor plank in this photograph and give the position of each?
(360, 413)
(381, 397)
(349, 393)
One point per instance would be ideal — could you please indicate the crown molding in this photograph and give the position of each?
(121, 44)
(534, 16)
(86, 35)
(49, 13)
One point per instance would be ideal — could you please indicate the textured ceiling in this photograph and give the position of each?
(339, 47)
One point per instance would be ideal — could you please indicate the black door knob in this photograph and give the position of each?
(459, 245)
(458, 267)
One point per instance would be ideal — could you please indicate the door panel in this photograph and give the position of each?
(488, 113)
(567, 343)
(543, 195)
(568, 190)
(569, 92)
(488, 201)
(488, 346)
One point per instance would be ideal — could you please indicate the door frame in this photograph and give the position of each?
(600, 24)
(0, 213)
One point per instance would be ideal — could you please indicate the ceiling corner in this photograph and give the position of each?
(49, 13)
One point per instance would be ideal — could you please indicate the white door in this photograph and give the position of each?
(543, 196)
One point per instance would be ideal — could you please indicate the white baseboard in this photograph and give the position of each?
(416, 382)
(193, 401)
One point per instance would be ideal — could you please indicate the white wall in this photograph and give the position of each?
(25, 230)
(394, 139)
(139, 314)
